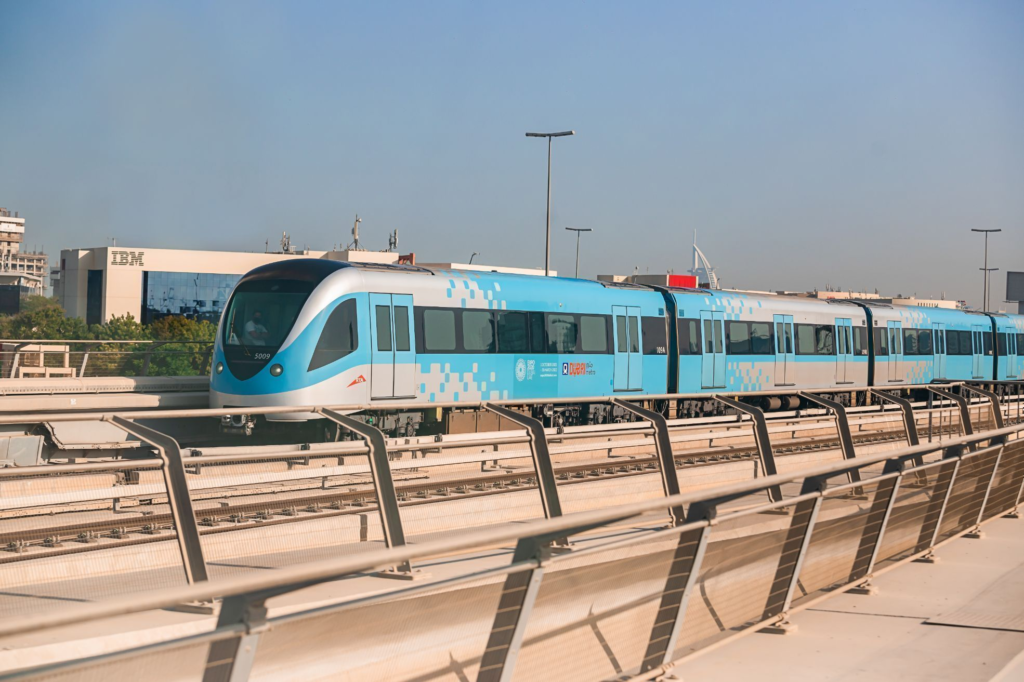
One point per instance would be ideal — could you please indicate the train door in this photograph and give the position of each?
(393, 360)
(938, 351)
(784, 355)
(895, 351)
(844, 348)
(712, 373)
(629, 369)
(978, 342)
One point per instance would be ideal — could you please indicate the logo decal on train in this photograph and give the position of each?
(520, 369)
(577, 369)
(358, 380)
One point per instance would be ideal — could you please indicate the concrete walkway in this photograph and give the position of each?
(961, 619)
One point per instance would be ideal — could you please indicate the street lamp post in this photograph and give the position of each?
(547, 241)
(986, 269)
(577, 230)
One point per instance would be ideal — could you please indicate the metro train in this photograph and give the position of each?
(320, 332)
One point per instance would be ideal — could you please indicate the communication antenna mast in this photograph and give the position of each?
(702, 269)
(286, 243)
(355, 233)
(393, 241)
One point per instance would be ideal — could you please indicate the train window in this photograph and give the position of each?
(513, 333)
(1020, 344)
(881, 343)
(738, 338)
(383, 318)
(779, 335)
(634, 334)
(860, 340)
(688, 331)
(815, 339)
(709, 338)
(718, 336)
(655, 335)
(620, 335)
(789, 338)
(562, 332)
(477, 331)
(1001, 343)
(401, 328)
(952, 343)
(438, 330)
(761, 338)
(965, 344)
(339, 337)
(537, 342)
(987, 341)
(924, 342)
(593, 334)
(842, 340)
(910, 342)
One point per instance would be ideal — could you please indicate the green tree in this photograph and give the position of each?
(118, 359)
(48, 323)
(181, 359)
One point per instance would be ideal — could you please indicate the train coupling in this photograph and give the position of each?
(237, 424)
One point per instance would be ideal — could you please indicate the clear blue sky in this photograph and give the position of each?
(809, 143)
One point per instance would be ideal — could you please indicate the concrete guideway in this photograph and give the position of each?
(618, 602)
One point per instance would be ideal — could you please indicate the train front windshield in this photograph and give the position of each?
(258, 319)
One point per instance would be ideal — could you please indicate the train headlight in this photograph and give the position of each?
(275, 370)
(220, 367)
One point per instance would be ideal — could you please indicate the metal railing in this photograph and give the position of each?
(29, 359)
(729, 561)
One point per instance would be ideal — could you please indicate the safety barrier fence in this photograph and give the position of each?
(621, 592)
(169, 507)
(28, 359)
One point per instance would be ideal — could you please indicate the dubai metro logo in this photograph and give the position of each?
(358, 380)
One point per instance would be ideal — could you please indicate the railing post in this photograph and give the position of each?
(762, 439)
(231, 660)
(383, 483)
(975, 532)
(997, 408)
(85, 359)
(874, 532)
(842, 425)
(515, 606)
(937, 506)
(663, 448)
(682, 576)
(541, 457)
(961, 402)
(909, 420)
(791, 559)
(178, 497)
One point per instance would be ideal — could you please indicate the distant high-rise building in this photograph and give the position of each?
(26, 269)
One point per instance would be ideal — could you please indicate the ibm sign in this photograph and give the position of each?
(127, 258)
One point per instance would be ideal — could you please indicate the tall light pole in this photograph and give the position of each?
(577, 230)
(986, 269)
(547, 241)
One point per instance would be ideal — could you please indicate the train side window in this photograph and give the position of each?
(881, 342)
(620, 334)
(401, 328)
(966, 343)
(538, 344)
(952, 343)
(924, 342)
(438, 330)
(593, 334)
(339, 337)
(789, 338)
(477, 331)
(1001, 343)
(910, 342)
(634, 334)
(738, 337)
(987, 342)
(779, 336)
(815, 339)
(761, 338)
(562, 332)
(383, 315)
(842, 341)
(860, 340)
(719, 336)
(513, 333)
(688, 331)
(709, 337)
(654, 335)
(1020, 344)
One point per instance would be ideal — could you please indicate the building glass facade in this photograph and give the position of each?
(195, 295)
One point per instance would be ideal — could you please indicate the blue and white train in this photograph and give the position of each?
(321, 332)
